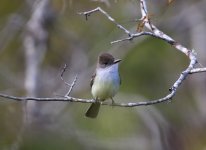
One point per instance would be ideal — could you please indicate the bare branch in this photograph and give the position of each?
(198, 70)
(79, 100)
(135, 35)
(163, 36)
(62, 74)
(155, 32)
(67, 99)
(88, 13)
(71, 86)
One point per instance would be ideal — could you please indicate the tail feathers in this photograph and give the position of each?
(93, 110)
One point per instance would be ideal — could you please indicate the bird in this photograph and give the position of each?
(105, 82)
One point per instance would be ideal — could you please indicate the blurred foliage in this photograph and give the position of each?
(148, 69)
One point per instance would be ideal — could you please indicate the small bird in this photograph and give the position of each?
(105, 82)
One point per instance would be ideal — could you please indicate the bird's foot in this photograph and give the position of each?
(113, 103)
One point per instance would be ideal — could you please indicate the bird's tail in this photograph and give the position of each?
(93, 110)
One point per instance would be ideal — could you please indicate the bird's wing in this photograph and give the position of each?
(92, 79)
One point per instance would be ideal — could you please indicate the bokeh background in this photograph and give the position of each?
(37, 37)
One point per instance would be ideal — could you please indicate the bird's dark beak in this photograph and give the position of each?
(117, 61)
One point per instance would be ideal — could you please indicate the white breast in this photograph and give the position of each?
(106, 83)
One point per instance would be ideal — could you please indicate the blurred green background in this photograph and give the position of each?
(37, 37)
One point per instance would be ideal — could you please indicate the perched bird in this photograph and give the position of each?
(104, 83)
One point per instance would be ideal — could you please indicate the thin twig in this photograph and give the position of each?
(71, 86)
(134, 35)
(62, 74)
(198, 70)
(88, 13)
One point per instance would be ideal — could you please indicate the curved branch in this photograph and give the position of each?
(79, 100)
(155, 32)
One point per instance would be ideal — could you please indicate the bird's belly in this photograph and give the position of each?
(105, 87)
